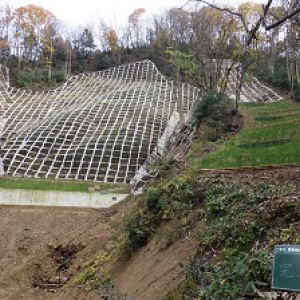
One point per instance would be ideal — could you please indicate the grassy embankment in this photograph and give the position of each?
(271, 136)
(60, 185)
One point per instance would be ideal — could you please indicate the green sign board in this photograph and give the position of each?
(286, 268)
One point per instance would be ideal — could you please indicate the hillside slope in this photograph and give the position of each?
(100, 126)
(271, 136)
(190, 230)
(155, 246)
(212, 218)
(28, 243)
(268, 215)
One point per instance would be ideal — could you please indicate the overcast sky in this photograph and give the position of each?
(84, 12)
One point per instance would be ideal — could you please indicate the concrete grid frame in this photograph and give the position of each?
(96, 127)
(103, 126)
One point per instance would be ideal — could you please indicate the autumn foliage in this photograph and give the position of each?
(32, 37)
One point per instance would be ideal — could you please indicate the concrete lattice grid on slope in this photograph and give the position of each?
(252, 89)
(98, 127)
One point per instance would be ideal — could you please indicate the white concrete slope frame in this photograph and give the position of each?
(96, 127)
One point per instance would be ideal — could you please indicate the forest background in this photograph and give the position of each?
(191, 43)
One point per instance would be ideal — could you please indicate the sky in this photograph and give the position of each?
(115, 12)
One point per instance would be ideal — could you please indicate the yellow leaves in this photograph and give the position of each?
(250, 8)
(34, 14)
(111, 36)
(48, 48)
(33, 20)
(35, 26)
(3, 44)
(112, 39)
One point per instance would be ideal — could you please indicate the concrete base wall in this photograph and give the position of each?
(57, 198)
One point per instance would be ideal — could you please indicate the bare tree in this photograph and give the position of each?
(251, 31)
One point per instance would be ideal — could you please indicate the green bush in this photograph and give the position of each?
(59, 76)
(209, 106)
(233, 278)
(37, 78)
(170, 197)
(214, 110)
(139, 229)
(277, 79)
(153, 200)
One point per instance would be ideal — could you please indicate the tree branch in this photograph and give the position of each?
(267, 7)
(279, 22)
(225, 9)
(262, 20)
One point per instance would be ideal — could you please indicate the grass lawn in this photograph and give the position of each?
(271, 136)
(71, 186)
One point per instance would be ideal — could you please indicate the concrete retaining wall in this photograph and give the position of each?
(57, 198)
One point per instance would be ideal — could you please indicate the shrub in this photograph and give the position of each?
(236, 276)
(170, 197)
(153, 204)
(59, 76)
(215, 110)
(37, 78)
(139, 229)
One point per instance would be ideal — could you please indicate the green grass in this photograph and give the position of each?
(71, 186)
(271, 137)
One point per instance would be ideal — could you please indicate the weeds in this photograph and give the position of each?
(236, 276)
(169, 198)
(233, 214)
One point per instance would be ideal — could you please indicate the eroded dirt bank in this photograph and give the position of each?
(42, 248)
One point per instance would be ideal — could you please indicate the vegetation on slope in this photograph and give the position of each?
(270, 137)
(37, 78)
(238, 225)
(235, 221)
(57, 185)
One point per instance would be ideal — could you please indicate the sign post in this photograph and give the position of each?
(286, 268)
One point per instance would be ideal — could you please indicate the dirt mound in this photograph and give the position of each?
(54, 271)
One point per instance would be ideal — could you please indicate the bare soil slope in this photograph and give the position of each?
(42, 248)
(155, 270)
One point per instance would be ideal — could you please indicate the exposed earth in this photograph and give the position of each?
(41, 249)
(38, 245)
